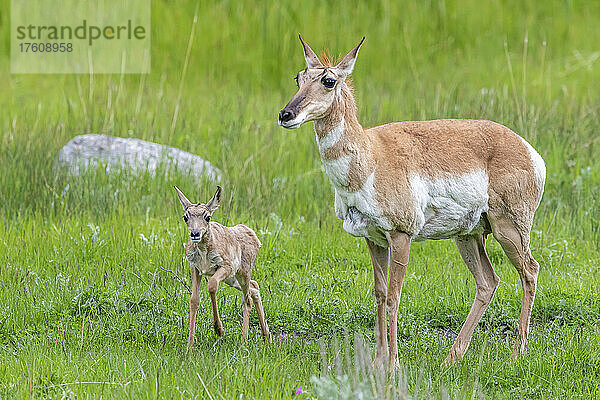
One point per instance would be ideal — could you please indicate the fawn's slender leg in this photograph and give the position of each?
(400, 248)
(472, 251)
(380, 257)
(213, 284)
(515, 244)
(194, 304)
(255, 293)
(246, 306)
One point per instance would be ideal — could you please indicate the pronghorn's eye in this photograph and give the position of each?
(207, 218)
(296, 79)
(328, 82)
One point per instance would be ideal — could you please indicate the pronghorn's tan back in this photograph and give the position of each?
(454, 147)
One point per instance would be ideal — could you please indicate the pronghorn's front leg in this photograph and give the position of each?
(213, 284)
(400, 248)
(380, 257)
(194, 304)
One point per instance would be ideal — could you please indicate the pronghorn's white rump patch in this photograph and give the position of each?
(360, 212)
(539, 168)
(332, 137)
(450, 206)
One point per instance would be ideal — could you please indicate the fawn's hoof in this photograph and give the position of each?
(519, 350)
(219, 330)
(268, 338)
(447, 363)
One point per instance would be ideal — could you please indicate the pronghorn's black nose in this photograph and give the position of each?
(195, 234)
(286, 115)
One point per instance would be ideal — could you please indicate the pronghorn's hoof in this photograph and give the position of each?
(516, 355)
(379, 363)
(394, 365)
(190, 346)
(450, 361)
(219, 330)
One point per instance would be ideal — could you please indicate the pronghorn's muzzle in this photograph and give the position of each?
(285, 116)
(291, 111)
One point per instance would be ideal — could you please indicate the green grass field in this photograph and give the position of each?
(87, 309)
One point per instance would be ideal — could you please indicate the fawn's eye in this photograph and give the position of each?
(185, 218)
(296, 79)
(328, 82)
(207, 218)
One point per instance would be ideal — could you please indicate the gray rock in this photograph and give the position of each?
(139, 156)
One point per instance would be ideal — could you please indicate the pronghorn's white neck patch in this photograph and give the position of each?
(331, 138)
(337, 170)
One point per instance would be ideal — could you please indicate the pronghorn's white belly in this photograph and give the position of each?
(449, 206)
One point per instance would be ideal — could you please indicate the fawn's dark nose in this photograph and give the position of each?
(195, 234)
(286, 115)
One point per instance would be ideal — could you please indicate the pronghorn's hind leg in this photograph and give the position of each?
(515, 243)
(472, 251)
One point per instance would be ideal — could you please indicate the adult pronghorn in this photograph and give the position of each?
(418, 180)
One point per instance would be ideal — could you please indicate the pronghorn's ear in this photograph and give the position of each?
(312, 61)
(185, 203)
(346, 66)
(213, 204)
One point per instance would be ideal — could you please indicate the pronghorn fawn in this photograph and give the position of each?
(224, 254)
(412, 181)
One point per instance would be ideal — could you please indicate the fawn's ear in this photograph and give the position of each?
(213, 204)
(185, 203)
